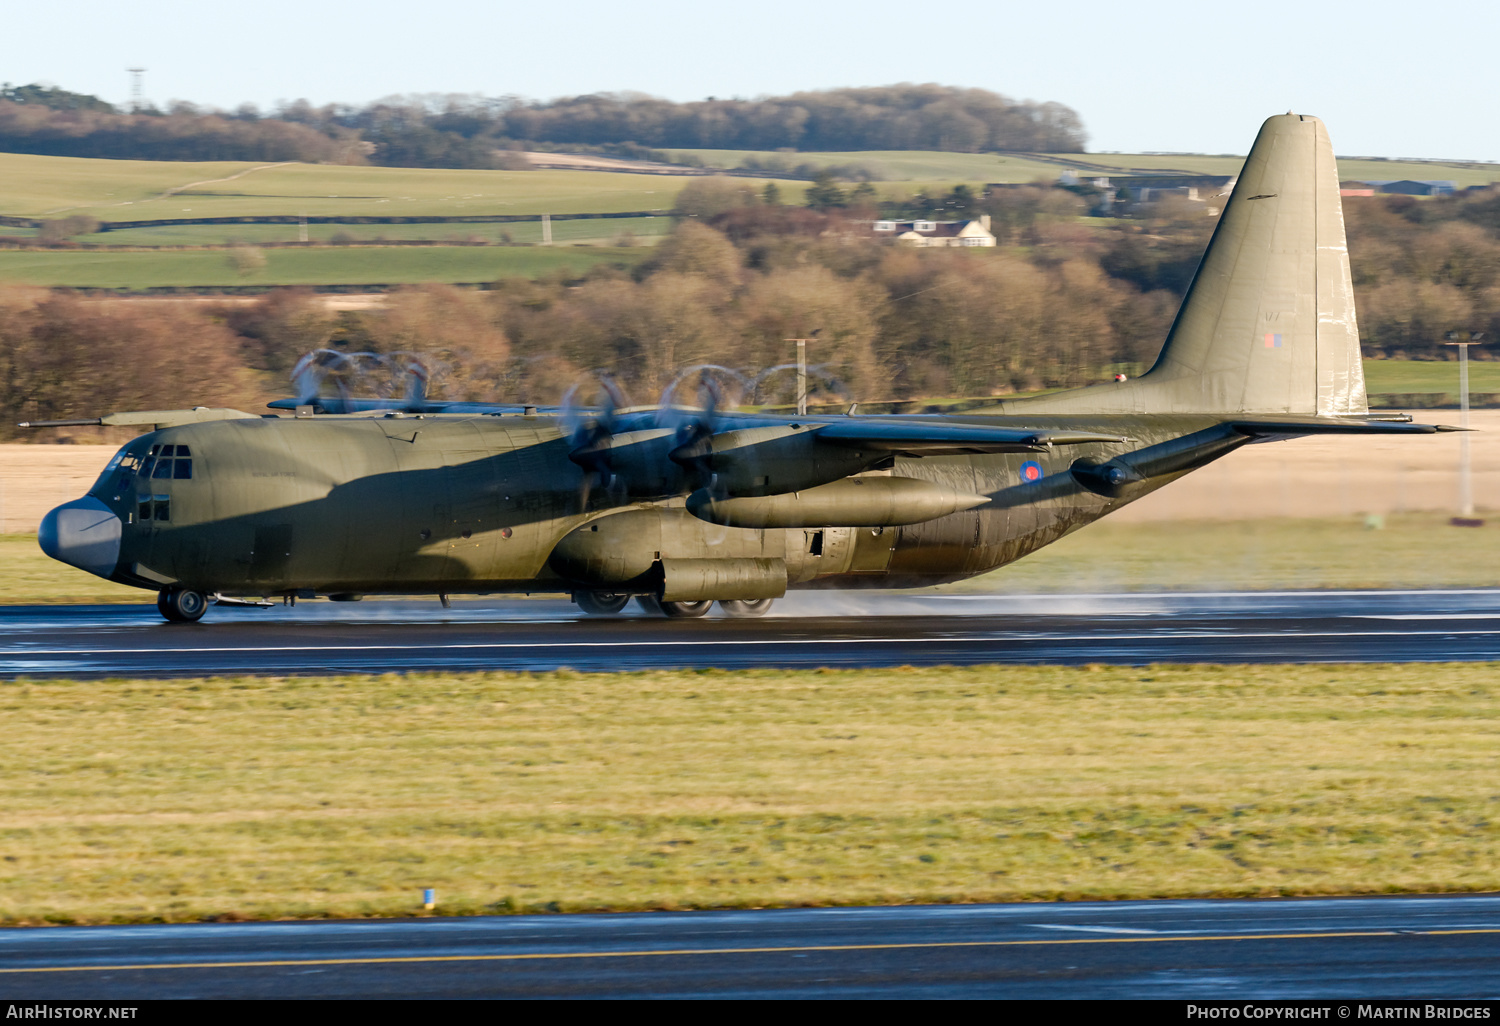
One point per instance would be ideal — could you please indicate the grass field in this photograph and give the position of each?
(129, 190)
(1429, 376)
(32, 577)
(35, 186)
(924, 166)
(338, 265)
(1413, 550)
(595, 231)
(270, 798)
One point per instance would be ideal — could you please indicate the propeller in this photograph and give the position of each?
(410, 378)
(401, 379)
(314, 369)
(590, 432)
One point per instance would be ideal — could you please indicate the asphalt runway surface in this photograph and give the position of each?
(806, 629)
(1338, 949)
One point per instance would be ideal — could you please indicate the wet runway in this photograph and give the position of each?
(1338, 949)
(808, 629)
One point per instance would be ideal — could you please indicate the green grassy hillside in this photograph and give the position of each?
(129, 190)
(35, 186)
(601, 231)
(340, 265)
(922, 166)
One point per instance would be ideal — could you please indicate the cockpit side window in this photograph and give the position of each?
(120, 472)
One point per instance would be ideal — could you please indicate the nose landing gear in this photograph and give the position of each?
(181, 605)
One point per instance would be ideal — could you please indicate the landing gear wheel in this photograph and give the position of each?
(182, 605)
(745, 607)
(686, 610)
(600, 603)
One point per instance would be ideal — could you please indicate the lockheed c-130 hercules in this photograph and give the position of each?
(681, 507)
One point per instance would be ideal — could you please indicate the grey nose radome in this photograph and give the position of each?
(84, 533)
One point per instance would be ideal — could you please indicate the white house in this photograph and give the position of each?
(935, 233)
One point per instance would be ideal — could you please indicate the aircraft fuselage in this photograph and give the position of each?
(483, 504)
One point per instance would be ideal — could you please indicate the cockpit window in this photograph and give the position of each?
(133, 463)
(168, 462)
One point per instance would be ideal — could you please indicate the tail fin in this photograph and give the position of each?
(1268, 325)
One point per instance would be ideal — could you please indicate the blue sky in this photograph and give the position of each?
(1389, 80)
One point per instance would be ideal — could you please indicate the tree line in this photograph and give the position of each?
(1057, 303)
(485, 132)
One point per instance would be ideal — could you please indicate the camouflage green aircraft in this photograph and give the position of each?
(681, 506)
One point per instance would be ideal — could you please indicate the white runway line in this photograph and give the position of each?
(732, 642)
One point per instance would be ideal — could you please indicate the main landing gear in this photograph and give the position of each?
(608, 603)
(741, 608)
(600, 603)
(182, 605)
(674, 610)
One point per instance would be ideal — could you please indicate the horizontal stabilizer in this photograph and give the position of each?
(1260, 427)
(938, 439)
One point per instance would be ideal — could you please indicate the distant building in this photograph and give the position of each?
(1356, 189)
(927, 234)
(1410, 187)
(1145, 189)
(1155, 188)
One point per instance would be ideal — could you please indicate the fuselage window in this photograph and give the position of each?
(163, 507)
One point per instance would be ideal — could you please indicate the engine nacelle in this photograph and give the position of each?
(771, 460)
(852, 502)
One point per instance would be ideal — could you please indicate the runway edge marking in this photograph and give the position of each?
(535, 956)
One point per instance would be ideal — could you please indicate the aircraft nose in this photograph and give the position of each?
(84, 533)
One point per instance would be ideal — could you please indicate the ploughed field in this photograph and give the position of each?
(177, 800)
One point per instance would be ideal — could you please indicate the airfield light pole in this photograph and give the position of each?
(1465, 477)
(801, 374)
(136, 100)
